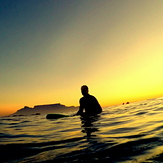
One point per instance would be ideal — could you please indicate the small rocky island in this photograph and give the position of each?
(45, 109)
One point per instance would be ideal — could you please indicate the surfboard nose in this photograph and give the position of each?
(56, 116)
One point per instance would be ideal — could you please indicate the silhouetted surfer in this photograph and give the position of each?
(88, 103)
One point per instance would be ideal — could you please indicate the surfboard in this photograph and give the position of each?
(55, 116)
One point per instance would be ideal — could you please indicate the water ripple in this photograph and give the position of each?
(121, 134)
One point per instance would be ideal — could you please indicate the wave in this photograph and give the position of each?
(124, 133)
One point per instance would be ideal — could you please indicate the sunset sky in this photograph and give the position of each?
(49, 48)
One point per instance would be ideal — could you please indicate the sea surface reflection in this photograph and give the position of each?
(124, 133)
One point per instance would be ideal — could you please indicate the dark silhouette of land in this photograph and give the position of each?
(44, 109)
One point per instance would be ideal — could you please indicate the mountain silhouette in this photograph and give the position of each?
(45, 109)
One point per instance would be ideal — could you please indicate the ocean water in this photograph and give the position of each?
(127, 133)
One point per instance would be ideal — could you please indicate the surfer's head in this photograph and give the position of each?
(84, 90)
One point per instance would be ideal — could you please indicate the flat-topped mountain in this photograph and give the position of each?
(45, 109)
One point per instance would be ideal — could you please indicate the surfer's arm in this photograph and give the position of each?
(80, 111)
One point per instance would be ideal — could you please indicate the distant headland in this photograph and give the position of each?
(44, 109)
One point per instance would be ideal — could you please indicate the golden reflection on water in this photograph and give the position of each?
(152, 153)
(136, 127)
(137, 123)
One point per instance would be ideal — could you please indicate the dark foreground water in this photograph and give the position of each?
(126, 133)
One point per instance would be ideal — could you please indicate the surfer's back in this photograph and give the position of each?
(90, 104)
